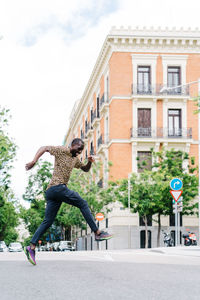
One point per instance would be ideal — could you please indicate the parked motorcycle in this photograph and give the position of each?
(190, 239)
(168, 240)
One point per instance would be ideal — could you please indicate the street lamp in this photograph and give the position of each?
(175, 87)
(165, 89)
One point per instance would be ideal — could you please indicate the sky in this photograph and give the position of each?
(48, 49)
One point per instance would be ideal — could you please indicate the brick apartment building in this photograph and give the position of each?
(125, 111)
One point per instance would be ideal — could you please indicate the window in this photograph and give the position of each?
(172, 220)
(144, 160)
(86, 126)
(174, 122)
(144, 122)
(91, 149)
(174, 79)
(98, 112)
(100, 183)
(144, 80)
(91, 115)
(82, 134)
(142, 239)
(149, 221)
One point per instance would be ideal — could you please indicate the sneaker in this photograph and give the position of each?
(30, 253)
(103, 236)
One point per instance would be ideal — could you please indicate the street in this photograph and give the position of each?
(160, 273)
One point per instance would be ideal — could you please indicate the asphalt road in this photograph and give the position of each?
(123, 274)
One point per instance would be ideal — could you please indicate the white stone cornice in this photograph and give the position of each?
(183, 40)
(158, 32)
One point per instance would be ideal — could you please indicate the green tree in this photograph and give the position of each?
(8, 215)
(170, 165)
(150, 189)
(34, 194)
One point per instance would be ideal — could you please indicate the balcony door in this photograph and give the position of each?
(98, 106)
(144, 80)
(144, 122)
(174, 122)
(174, 79)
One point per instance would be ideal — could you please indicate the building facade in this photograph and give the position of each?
(126, 110)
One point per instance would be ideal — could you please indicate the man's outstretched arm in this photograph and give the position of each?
(87, 167)
(39, 153)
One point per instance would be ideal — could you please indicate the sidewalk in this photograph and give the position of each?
(192, 251)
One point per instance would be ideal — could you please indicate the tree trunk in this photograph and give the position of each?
(159, 230)
(63, 232)
(146, 231)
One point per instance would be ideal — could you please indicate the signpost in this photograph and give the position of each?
(176, 184)
(99, 217)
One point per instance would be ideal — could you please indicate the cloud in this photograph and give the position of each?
(70, 21)
(47, 55)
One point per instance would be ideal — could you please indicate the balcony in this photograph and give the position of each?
(89, 130)
(92, 151)
(95, 118)
(82, 135)
(101, 143)
(104, 102)
(158, 90)
(159, 133)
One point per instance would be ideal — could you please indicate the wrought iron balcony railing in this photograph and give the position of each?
(185, 133)
(104, 99)
(102, 141)
(95, 116)
(159, 89)
(92, 151)
(82, 135)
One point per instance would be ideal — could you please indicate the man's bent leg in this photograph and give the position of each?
(50, 214)
(75, 199)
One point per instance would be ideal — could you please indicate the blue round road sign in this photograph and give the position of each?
(176, 184)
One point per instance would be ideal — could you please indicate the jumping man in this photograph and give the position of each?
(57, 191)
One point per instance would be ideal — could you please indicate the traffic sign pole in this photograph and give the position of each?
(178, 227)
(176, 224)
(176, 184)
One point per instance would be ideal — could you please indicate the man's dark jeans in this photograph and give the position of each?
(55, 195)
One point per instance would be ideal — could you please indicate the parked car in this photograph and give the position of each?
(66, 246)
(55, 246)
(3, 247)
(15, 247)
(49, 247)
(43, 248)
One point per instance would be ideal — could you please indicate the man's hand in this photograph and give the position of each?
(30, 165)
(87, 167)
(91, 159)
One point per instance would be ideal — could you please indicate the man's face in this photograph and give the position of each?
(76, 149)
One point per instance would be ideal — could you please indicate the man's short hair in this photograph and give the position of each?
(77, 141)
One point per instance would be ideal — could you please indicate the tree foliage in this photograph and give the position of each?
(149, 193)
(35, 195)
(8, 215)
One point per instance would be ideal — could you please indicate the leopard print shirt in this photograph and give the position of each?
(63, 164)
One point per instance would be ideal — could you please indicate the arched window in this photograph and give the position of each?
(142, 239)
